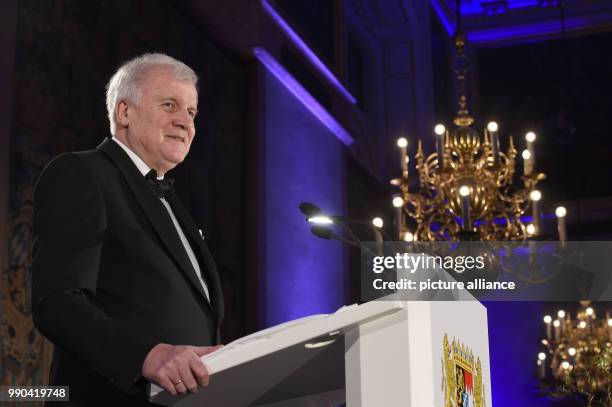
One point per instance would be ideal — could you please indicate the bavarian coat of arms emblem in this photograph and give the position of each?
(461, 376)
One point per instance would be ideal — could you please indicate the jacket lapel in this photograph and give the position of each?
(199, 246)
(154, 210)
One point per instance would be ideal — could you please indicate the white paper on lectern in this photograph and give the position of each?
(260, 335)
(290, 333)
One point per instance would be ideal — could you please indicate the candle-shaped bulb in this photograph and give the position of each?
(582, 325)
(377, 222)
(535, 197)
(531, 229)
(529, 159)
(530, 137)
(589, 311)
(464, 190)
(378, 236)
(610, 322)
(561, 314)
(557, 325)
(542, 356)
(402, 143)
(398, 204)
(541, 366)
(560, 211)
(547, 321)
(565, 365)
(572, 351)
(408, 237)
(493, 127)
(440, 131)
(526, 155)
(527, 162)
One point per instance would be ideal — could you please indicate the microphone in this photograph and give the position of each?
(322, 232)
(314, 214)
(311, 210)
(326, 233)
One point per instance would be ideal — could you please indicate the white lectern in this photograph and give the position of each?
(381, 353)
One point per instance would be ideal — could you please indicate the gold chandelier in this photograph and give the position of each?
(577, 356)
(466, 188)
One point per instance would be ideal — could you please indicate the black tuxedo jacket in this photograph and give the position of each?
(111, 278)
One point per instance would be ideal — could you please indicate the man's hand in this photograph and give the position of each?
(177, 368)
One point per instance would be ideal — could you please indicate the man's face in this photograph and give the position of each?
(161, 128)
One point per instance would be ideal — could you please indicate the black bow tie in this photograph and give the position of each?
(162, 187)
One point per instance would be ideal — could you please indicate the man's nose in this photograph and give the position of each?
(179, 123)
(182, 120)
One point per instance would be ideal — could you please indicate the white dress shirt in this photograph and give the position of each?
(144, 169)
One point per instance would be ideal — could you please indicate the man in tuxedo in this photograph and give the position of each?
(123, 283)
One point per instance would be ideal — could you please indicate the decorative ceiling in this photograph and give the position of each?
(497, 22)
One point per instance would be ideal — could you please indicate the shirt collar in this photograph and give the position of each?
(140, 164)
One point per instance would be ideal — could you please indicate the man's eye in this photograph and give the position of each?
(168, 104)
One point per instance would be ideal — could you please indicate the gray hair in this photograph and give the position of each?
(125, 83)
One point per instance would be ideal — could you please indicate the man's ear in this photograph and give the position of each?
(121, 114)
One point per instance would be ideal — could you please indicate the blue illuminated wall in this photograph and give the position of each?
(515, 332)
(302, 161)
